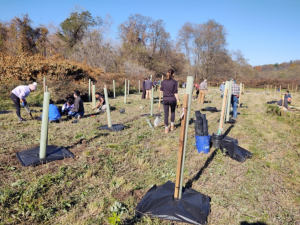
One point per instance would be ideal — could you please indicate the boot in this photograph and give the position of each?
(172, 127)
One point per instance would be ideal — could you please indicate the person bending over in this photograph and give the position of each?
(19, 94)
(67, 107)
(54, 115)
(101, 104)
(78, 110)
(169, 88)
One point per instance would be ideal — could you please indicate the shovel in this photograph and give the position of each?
(157, 119)
(28, 110)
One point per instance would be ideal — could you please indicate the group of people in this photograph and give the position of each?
(72, 108)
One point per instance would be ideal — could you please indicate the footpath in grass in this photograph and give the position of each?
(113, 170)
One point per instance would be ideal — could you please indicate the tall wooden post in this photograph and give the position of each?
(189, 90)
(179, 174)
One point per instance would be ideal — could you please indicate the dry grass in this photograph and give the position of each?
(120, 167)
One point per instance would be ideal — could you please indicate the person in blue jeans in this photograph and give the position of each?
(78, 110)
(235, 91)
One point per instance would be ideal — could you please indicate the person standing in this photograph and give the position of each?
(144, 89)
(169, 88)
(203, 89)
(19, 94)
(235, 91)
(148, 87)
(222, 89)
(78, 110)
(155, 84)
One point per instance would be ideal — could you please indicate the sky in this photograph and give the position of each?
(265, 31)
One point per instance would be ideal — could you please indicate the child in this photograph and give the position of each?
(67, 107)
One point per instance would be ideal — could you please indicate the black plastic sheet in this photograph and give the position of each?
(159, 202)
(234, 151)
(30, 157)
(114, 127)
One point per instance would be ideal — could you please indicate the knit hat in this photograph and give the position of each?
(33, 86)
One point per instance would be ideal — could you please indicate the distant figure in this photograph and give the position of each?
(169, 88)
(53, 115)
(222, 89)
(19, 94)
(203, 89)
(235, 91)
(155, 84)
(148, 87)
(67, 107)
(78, 110)
(101, 104)
(144, 89)
(196, 86)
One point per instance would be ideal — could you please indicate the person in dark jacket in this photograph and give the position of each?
(78, 110)
(169, 88)
(148, 87)
(144, 89)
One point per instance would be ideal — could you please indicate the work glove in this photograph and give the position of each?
(23, 104)
(178, 103)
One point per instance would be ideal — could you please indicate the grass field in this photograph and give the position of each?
(112, 171)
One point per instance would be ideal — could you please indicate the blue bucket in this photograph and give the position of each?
(203, 143)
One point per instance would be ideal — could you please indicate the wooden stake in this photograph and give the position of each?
(181, 145)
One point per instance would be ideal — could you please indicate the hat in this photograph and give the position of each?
(205, 80)
(33, 86)
(223, 82)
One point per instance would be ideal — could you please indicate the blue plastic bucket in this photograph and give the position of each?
(203, 143)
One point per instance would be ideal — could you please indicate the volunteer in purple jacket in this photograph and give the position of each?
(19, 94)
(169, 88)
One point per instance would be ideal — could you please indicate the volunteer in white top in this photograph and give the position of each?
(19, 94)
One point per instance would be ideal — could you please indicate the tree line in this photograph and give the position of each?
(143, 46)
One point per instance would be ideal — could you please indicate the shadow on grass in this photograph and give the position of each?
(79, 142)
(207, 163)
(255, 223)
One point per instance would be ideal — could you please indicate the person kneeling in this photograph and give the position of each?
(101, 104)
(54, 115)
(78, 110)
(67, 107)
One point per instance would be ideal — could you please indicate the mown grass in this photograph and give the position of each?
(112, 171)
